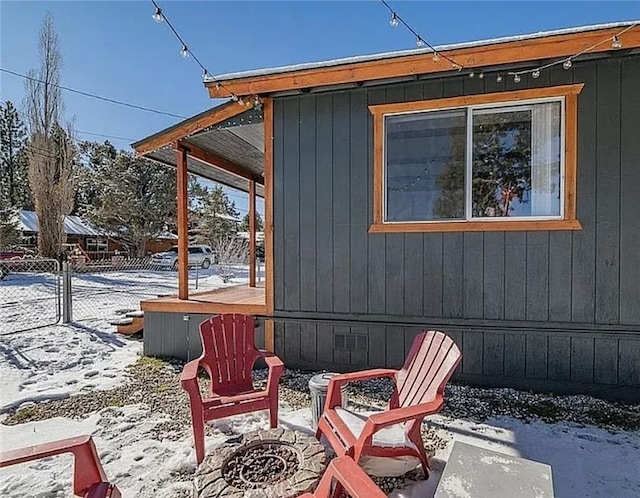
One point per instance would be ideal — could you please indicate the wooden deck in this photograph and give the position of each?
(237, 299)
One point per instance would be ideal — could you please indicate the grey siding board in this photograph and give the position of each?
(473, 352)
(536, 356)
(493, 362)
(629, 363)
(583, 266)
(291, 193)
(605, 361)
(341, 357)
(360, 358)
(308, 142)
(341, 204)
(325, 343)
(514, 355)
(324, 203)
(433, 271)
(308, 342)
(560, 263)
(377, 242)
(377, 346)
(608, 192)
(473, 267)
(452, 278)
(559, 358)
(413, 278)
(359, 207)
(515, 272)
(278, 204)
(537, 276)
(493, 282)
(630, 193)
(395, 352)
(582, 359)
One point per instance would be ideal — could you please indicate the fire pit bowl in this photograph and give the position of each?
(274, 463)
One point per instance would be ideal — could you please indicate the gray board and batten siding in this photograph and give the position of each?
(545, 310)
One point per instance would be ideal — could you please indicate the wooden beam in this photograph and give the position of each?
(183, 223)
(268, 204)
(217, 161)
(252, 233)
(496, 54)
(189, 127)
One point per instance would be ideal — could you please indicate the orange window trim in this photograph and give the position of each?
(569, 221)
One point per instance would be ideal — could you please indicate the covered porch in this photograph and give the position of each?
(227, 145)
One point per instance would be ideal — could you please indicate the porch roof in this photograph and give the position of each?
(225, 143)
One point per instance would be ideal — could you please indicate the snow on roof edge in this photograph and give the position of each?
(415, 51)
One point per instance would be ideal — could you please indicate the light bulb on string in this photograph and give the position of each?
(240, 101)
(436, 57)
(394, 21)
(499, 78)
(517, 78)
(535, 74)
(567, 64)
(185, 51)
(472, 74)
(481, 75)
(234, 97)
(419, 42)
(157, 16)
(616, 43)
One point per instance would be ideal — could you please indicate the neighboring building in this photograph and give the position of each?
(498, 203)
(95, 242)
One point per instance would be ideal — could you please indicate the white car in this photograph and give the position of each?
(199, 255)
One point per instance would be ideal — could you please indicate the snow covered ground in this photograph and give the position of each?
(61, 360)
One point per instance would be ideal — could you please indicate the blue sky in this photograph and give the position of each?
(115, 49)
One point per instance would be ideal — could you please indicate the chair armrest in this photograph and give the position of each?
(351, 477)
(87, 470)
(189, 377)
(337, 381)
(276, 368)
(399, 415)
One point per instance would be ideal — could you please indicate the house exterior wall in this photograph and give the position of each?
(554, 310)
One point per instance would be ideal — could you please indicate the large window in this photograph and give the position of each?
(489, 162)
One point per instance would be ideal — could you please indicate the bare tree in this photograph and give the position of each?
(50, 151)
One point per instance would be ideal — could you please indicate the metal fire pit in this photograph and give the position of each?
(275, 463)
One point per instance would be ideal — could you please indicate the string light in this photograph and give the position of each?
(481, 75)
(616, 43)
(567, 62)
(517, 78)
(499, 78)
(396, 20)
(186, 51)
(158, 17)
(472, 74)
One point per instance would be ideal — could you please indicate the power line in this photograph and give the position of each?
(81, 132)
(93, 95)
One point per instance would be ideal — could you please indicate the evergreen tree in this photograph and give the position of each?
(132, 197)
(214, 220)
(10, 234)
(244, 224)
(14, 181)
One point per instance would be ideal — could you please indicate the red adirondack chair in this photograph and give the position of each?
(343, 474)
(389, 443)
(89, 479)
(228, 356)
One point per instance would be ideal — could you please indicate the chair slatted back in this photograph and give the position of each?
(431, 361)
(228, 352)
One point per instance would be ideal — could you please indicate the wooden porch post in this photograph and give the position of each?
(183, 223)
(252, 233)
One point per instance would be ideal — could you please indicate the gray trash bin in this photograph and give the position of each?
(318, 385)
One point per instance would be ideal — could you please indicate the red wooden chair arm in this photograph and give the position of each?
(276, 367)
(337, 381)
(351, 477)
(378, 421)
(89, 478)
(189, 379)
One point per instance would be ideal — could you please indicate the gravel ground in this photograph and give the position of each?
(156, 384)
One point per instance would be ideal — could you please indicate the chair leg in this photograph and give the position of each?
(424, 461)
(197, 420)
(273, 414)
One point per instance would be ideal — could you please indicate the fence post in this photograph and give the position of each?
(67, 309)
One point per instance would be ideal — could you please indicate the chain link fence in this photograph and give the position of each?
(36, 293)
(30, 294)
